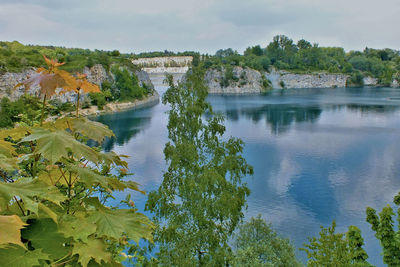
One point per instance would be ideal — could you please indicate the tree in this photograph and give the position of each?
(336, 249)
(383, 226)
(201, 199)
(257, 245)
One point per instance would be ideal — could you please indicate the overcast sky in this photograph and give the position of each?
(200, 25)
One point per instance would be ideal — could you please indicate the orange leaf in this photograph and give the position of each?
(48, 83)
(52, 62)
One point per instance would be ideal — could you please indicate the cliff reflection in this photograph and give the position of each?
(125, 126)
(279, 117)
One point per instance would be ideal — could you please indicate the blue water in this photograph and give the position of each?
(318, 155)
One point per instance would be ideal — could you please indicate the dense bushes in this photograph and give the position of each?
(126, 85)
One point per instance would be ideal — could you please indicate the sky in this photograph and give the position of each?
(133, 26)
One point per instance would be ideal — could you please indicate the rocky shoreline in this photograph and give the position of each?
(124, 106)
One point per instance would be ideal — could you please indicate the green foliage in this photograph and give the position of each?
(258, 245)
(200, 201)
(383, 226)
(54, 193)
(15, 57)
(356, 79)
(25, 110)
(98, 99)
(336, 249)
(126, 85)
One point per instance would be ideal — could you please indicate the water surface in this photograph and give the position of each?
(318, 154)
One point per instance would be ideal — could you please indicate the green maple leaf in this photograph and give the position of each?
(54, 145)
(119, 185)
(7, 163)
(18, 257)
(112, 158)
(30, 192)
(10, 230)
(92, 263)
(95, 248)
(43, 234)
(88, 176)
(78, 227)
(115, 223)
(6, 148)
(91, 129)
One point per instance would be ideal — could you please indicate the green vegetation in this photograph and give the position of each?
(303, 57)
(257, 244)
(337, 249)
(15, 57)
(126, 85)
(54, 189)
(201, 199)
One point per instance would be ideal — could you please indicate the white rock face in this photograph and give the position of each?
(321, 80)
(249, 81)
(369, 81)
(178, 64)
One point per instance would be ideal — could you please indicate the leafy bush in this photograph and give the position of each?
(257, 244)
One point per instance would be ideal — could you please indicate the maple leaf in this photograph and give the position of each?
(85, 85)
(8, 164)
(116, 223)
(52, 62)
(95, 249)
(10, 230)
(54, 145)
(48, 83)
(43, 234)
(88, 176)
(19, 257)
(91, 129)
(30, 192)
(76, 226)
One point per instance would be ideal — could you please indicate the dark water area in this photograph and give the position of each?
(318, 155)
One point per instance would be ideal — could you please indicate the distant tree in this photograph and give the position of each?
(221, 53)
(303, 44)
(383, 226)
(336, 249)
(257, 244)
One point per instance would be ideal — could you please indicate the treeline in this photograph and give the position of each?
(283, 53)
(15, 57)
(166, 53)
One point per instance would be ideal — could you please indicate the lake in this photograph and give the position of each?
(318, 155)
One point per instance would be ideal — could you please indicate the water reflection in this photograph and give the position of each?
(125, 126)
(326, 155)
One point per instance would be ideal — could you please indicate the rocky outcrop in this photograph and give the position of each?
(245, 81)
(96, 74)
(320, 80)
(249, 81)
